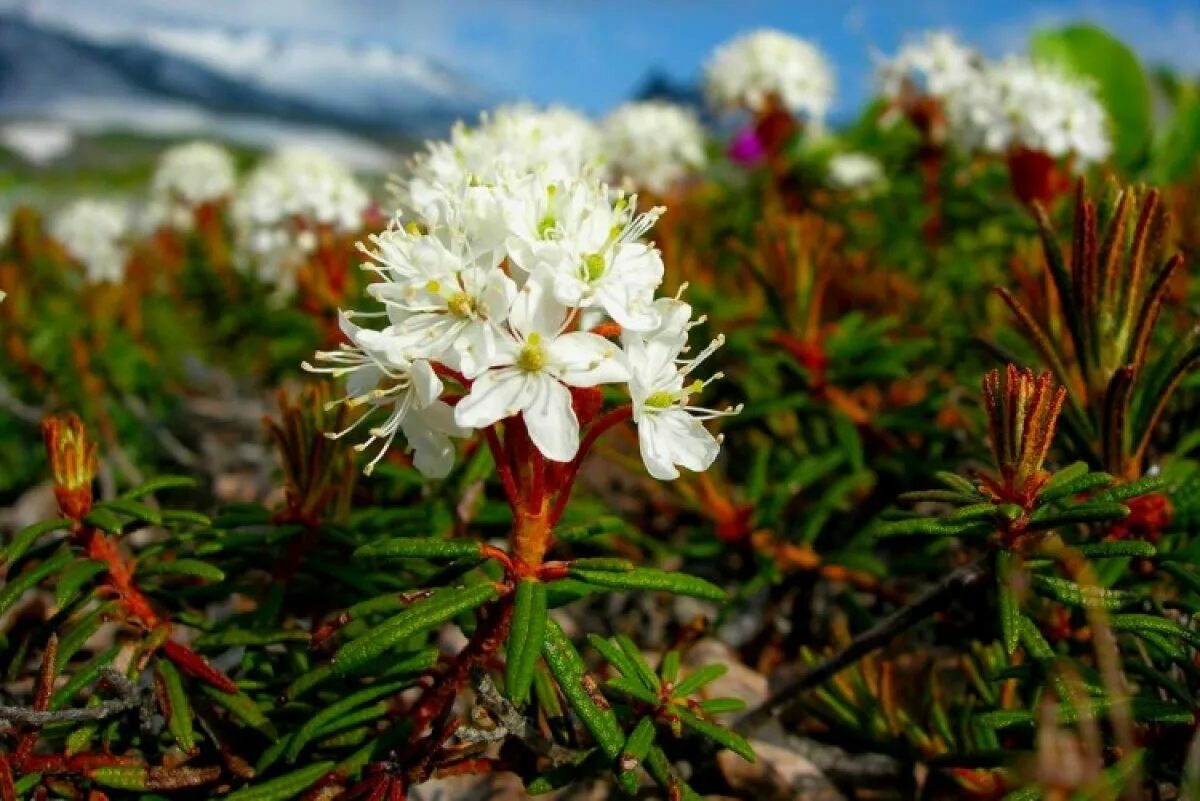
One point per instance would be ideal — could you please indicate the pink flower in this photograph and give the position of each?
(746, 148)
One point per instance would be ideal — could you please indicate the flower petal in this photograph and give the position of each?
(583, 359)
(550, 419)
(494, 395)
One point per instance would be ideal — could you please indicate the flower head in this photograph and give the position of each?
(537, 359)
(92, 232)
(934, 65)
(854, 172)
(380, 376)
(1017, 104)
(770, 68)
(653, 145)
(287, 202)
(668, 422)
(188, 176)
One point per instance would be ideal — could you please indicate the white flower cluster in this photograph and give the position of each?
(1016, 104)
(652, 145)
(93, 232)
(284, 204)
(769, 66)
(496, 283)
(854, 172)
(934, 65)
(188, 176)
(510, 140)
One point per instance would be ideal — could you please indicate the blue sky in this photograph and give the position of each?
(593, 53)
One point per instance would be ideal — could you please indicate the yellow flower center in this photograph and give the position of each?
(660, 400)
(594, 266)
(532, 357)
(460, 303)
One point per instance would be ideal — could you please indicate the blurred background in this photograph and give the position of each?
(90, 92)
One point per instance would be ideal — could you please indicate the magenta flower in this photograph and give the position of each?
(746, 148)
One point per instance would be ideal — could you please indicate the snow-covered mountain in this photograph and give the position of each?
(250, 86)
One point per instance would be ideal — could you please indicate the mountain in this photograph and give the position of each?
(248, 87)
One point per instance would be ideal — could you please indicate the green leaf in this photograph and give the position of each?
(72, 579)
(1088, 51)
(1082, 596)
(421, 616)
(638, 745)
(158, 485)
(131, 508)
(120, 777)
(105, 520)
(604, 564)
(956, 482)
(177, 708)
(1083, 513)
(242, 707)
(1010, 607)
(1133, 489)
(928, 527)
(27, 536)
(1054, 491)
(194, 568)
(699, 678)
(1138, 624)
(313, 725)
(569, 672)
(83, 677)
(285, 787)
(419, 548)
(1116, 548)
(648, 578)
(526, 635)
(12, 592)
(1177, 148)
(715, 732)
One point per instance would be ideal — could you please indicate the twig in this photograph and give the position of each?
(511, 722)
(874, 638)
(128, 700)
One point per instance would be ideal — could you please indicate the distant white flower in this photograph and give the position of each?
(536, 362)
(286, 202)
(653, 145)
(190, 175)
(380, 376)
(1020, 104)
(509, 142)
(5, 226)
(669, 426)
(92, 232)
(854, 172)
(758, 68)
(590, 241)
(934, 65)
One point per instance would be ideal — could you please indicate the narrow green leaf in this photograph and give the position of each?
(1010, 607)
(647, 578)
(178, 709)
(12, 592)
(1083, 513)
(242, 707)
(1054, 491)
(526, 635)
(569, 672)
(131, 508)
(26, 537)
(715, 732)
(105, 520)
(160, 484)
(700, 678)
(418, 548)
(1116, 548)
(313, 725)
(421, 616)
(73, 577)
(194, 568)
(285, 787)
(1082, 596)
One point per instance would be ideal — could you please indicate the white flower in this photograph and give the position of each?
(854, 172)
(1020, 104)
(934, 65)
(536, 362)
(379, 375)
(589, 239)
(765, 66)
(5, 226)
(187, 176)
(92, 232)
(284, 203)
(510, 142)
(653, 145)
(443, 303)
(669, 427)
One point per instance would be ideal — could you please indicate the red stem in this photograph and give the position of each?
(502, 467)
(602, 424)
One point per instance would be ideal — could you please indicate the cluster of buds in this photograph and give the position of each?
(73, 464)
(1022, 412)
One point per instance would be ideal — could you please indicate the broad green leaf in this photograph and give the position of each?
(1089, 52)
